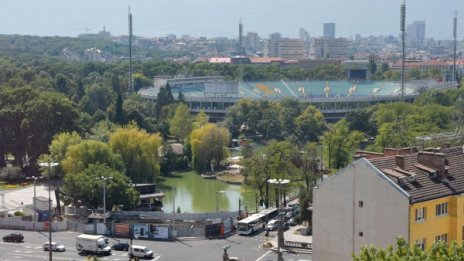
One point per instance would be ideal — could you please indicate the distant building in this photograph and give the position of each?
(275, 36)
(251, 42)
(418, 195)
(171, 37)
(304, 37)
(286, 48)
(329, 30)
(338, 48)
(416, 33)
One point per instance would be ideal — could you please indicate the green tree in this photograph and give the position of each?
(340, 144)
(209, 145)
(60, 144)
(310, 124)
(139, 152)
(181, 124)
(85, 188)
(439, 251)
(201, 119)
(119, 117)
(80, 156)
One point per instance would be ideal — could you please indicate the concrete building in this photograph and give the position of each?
(286, 48)
(252, 42)
(414, 194)
(329, 30)
(329, 48)
(416, 33)
(304, 37)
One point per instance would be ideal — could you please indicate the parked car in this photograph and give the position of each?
(272, 225)
(292, 221)
(120, 246)
(13, 238)
(55, 247)
(289, 215)
(306, 231)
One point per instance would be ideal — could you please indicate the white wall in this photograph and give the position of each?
(338, 219)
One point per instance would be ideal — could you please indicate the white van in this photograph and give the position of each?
(140, 251)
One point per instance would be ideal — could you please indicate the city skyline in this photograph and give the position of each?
(212, 18)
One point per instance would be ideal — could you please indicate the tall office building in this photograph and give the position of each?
(329, 30)
(251, 42)
(416, 33)
(304, 37)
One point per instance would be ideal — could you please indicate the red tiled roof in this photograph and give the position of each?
(424, 187)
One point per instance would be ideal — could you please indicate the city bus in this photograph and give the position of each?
(256, 221)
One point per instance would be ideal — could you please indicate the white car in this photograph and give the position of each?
(55, 247)
(140, 251)
(272, 225)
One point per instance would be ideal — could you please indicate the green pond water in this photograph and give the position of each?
(193, 194)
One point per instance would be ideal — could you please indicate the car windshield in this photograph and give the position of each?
(146, 250)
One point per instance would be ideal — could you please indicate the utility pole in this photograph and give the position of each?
(280, 232)
(402, 27)
(131, 82)
(455, 26)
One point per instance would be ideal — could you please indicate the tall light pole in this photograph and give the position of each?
(104, 179)
(217, 199)
(50, 220)
(403, 33)
(280, 234)
(33, 199)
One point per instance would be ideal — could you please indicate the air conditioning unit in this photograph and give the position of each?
(432, 175)
(412, 178)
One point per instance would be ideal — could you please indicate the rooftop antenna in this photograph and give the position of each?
(131, 82)
(402, 27)
(455, 27)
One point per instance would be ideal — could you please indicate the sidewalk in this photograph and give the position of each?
(17, 198)
(292, 235)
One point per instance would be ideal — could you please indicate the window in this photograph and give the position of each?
(421, 243)
(441, 209)
(361, 234)
(443, 238)
(420, 214)
(361, 203)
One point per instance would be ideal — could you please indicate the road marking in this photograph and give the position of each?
(156, 258)
(263, 256)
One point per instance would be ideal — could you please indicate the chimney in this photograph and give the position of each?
(399, 161)
(433, 160)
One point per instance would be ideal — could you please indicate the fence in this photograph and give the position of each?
(178, 216)
(17, 224)
(302, 245)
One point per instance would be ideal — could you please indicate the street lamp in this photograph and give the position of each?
(266, 172)
(217, 199)
(104, 179)
(280, 234)
(33, 199)
(50, 220)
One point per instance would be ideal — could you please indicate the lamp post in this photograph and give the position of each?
(50, 220)
(217, 199)
(104, 179)
(280, 234)
(266, 172)
(33, 199)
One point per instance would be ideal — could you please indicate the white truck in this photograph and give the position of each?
(92, 244)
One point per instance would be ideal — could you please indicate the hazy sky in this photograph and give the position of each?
(220, 17)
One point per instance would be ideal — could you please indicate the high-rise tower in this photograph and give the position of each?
(455, 28)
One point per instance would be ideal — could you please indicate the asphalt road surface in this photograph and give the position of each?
(246, 248)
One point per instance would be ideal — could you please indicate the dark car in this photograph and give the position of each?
(13, 238)
(120, 246)
(292, 221)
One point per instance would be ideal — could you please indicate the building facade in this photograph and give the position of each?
(414, 194)
(321, 48)
(329, 30)
(286, 48)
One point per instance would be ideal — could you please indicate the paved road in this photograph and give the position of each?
(193, 250)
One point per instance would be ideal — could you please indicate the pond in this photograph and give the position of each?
(193, 194)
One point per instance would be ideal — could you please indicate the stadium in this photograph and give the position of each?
(334, 99)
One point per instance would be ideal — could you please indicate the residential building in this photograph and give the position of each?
(338, 48)
(329, 30)
(286, 48)
(418, 195)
